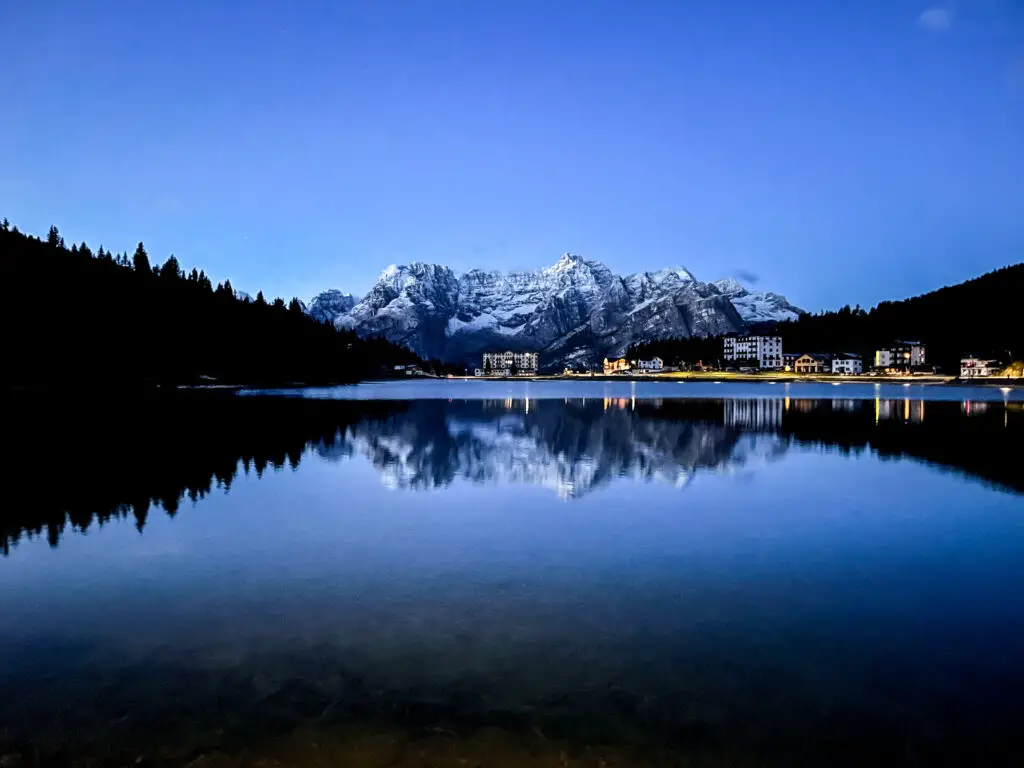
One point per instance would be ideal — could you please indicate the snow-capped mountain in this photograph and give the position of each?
(574, 310)
(757, 306)
(329, 305)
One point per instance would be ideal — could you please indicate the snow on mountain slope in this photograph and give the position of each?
(575, 310)
(331, 304)
(757, 306)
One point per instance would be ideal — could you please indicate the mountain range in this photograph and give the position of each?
(575, 311)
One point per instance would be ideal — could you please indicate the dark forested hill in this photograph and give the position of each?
(78, 317)
(982, 316)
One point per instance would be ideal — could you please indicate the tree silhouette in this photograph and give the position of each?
(171, 270)
(116, 325)
(140, 261)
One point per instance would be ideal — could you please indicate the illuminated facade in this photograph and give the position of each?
(766, 350)
(973, 367)
(509, 364)
(812, 363)
(615, 366)
(654, 364)
(903, 355)
(847, 364)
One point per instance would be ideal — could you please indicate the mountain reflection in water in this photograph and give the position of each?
(561, 582)
(165, 451)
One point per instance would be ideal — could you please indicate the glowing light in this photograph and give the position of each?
(1006, 390)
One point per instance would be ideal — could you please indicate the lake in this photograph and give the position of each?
(507, 573)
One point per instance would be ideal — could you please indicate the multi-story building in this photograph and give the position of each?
(902, 355)
(973, 367)
(615, 366)
(766, 350)
(654, 364)
(511, 363)
(847, 364)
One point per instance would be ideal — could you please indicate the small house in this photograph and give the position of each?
(812, 362)
(974, 367)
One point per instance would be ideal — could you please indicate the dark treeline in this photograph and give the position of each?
(693, 351)
(167, 450)
(152, 449)
(985, 444)
(84, 317)
(980, 316)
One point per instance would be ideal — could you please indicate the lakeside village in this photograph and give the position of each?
(752, 355)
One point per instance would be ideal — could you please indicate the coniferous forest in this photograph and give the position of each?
(982, 316)
(75, 316)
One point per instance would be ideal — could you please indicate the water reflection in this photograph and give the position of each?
(580, 581)
(170, 451)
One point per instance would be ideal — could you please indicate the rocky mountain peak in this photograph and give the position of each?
(575, 310)
(330, 305)
(757, 306)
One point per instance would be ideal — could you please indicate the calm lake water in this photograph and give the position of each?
(491, 573)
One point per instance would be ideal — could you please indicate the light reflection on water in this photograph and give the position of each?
(771, 579)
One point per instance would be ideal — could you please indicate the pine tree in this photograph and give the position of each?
(260, 300)
(141, 260)
(171, 270)
(53, 236)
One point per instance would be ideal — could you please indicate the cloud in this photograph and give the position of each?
(936, 18)
(747, 276)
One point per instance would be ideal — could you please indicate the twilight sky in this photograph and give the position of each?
(842, 152)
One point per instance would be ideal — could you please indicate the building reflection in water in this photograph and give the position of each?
(754, 413)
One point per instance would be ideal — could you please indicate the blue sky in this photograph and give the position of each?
(841, 152)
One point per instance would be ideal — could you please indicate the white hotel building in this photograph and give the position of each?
(502, 363)
(767, 350)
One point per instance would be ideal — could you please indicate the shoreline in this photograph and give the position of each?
(931, 380)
